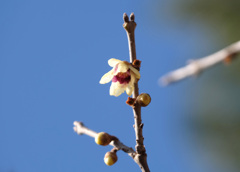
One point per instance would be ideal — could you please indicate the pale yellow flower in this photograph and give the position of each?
(123, 76)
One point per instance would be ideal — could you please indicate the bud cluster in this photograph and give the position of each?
(143, 100)
(104, 139)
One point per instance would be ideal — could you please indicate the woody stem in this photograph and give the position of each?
(141, 156)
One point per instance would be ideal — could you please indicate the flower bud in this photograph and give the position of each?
(103, 139)
(144, 99)
(110, 158)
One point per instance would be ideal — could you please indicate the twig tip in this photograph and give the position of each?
(164, 81)
(78, 127)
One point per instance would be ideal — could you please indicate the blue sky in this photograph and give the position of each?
(52, 56)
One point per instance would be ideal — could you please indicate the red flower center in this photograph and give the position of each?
(122, 77)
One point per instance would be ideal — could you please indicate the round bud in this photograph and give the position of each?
(103, 139)
(144, 99)
(110, 158)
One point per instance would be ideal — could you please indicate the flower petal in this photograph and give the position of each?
(107, 77)
(130, 87)
(136, 72)
(123, 66)
(133, 78)
(129, 90)
(113, 62)
(116, 89)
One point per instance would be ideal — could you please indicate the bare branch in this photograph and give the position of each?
(141, 156)
(197, 66)
(80, 129)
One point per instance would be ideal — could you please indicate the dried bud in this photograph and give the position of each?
(110, 158)
(130, 101)
(144, 99)
(136, 64)
(103, 139)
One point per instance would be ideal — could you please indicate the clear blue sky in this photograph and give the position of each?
(52, 56)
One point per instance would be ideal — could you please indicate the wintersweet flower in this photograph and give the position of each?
(123, 76)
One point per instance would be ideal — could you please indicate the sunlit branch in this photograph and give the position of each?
(141, 156)
(81, 129)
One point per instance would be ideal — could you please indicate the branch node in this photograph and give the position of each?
(140, 149)
(114, 150)
(113, 138)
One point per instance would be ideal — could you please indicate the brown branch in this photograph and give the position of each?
(197, 66)
(141, 156)
(80, 129)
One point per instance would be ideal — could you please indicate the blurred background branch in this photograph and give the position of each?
(212, 100)
(196, 66)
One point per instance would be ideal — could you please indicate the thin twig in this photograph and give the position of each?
(197, 66)
(141, 156)
(80, 129)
